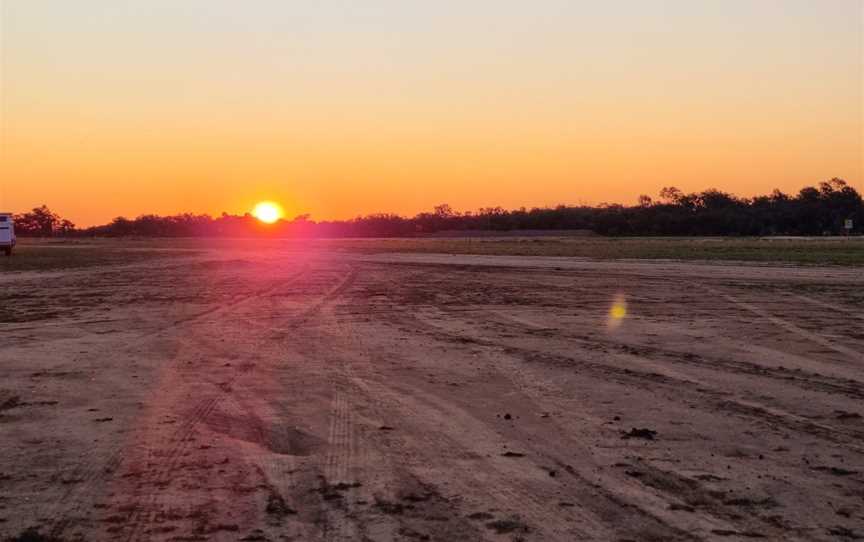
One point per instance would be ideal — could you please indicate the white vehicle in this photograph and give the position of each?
(7, 233)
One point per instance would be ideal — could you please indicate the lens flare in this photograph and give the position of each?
(617, 312)
(267, 212)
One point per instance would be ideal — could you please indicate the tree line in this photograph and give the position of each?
(814, 210)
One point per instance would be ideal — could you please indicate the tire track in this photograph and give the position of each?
(328, 298)
(144, 512)
(651, 509)
(679, 389)
(826, 305)
(721, 518)
(544, 518)
(824, 384)
(853, 355)
(813, 382)
(339, 469)
(94, 475)
(541, 516)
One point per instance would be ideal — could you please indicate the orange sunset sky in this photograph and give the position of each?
(340, 108)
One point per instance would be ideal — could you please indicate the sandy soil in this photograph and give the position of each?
(279, 396)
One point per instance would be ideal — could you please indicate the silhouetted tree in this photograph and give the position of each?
(814, 210)
(671, 194)
(39, 221)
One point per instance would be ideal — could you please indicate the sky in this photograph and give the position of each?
(343, 108)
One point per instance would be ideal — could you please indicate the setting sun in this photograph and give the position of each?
(267, 212)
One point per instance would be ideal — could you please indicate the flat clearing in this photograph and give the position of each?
(820, 251)
(793, 250)
(346, 390)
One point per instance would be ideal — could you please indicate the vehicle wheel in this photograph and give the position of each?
(7, 251)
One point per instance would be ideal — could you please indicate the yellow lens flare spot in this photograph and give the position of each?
(268, 212)
(618, 311)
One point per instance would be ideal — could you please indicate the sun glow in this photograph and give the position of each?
(267, 212)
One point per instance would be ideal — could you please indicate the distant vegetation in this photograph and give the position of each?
(42, 222)
(819, 210)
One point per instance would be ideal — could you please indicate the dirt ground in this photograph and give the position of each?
(278, 395)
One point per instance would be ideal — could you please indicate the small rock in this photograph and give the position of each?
(10, 403)
(647, 434)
